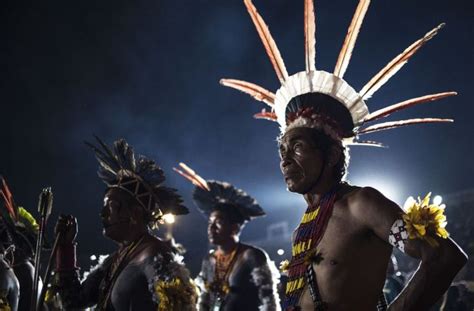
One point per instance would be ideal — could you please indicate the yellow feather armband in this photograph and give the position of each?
(424, 220)
(174, 294)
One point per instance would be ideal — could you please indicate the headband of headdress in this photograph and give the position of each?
(319, 99)
(19, 223)
(140, 177)
(210, 195)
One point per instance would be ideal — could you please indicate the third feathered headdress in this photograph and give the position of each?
(209, 194)
(19, 223)
(323, 100)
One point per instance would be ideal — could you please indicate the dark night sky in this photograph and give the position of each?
(148, 71)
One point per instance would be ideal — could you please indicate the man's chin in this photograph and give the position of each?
(214, 242)
(293, 187)
(110, 234)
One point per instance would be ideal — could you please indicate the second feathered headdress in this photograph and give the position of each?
(140, 177)
(210, 194)
(323, 100)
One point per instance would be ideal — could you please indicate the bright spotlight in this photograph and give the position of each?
(437, 200)
(93, 257)
(280, 252)
(169, 218)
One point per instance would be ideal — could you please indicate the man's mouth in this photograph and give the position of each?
(213, 236)
(291, 175)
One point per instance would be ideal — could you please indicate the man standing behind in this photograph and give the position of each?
(343, 244)
(236, 276)
(21, 227)
(144, 273)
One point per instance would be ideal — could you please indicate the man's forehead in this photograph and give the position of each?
(217, 215)
(114, 194)
(295, 134)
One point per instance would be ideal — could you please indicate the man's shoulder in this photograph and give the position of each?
(361, 197)
(370, 208)
(253, 253)
(152, 247)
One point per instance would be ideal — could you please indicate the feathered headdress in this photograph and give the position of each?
(210, 194)
(19, 223)
(140, 177)
(323, 100)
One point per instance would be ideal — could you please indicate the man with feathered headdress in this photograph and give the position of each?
(344, 241)
(236, 276)
(144, 273)
(20, 228)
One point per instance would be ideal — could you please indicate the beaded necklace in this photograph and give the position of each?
(222, 270)
(117, 265)
(308, 235)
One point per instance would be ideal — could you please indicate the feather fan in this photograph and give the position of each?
(309, 35)
(351, 38)
(266, 115)
(396, 64)
(406, 104)
(395, 124)
(256, 91)
(268, 42)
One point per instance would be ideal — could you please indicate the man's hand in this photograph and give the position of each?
(66, 226)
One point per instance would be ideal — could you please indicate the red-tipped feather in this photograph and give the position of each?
(8, 200)
(395, 65)
(406, 104)
(256, 91)
(309, 35)
(268, 42)
(351, 38)
(192, 176)
(395, 124)
(266, 115)
(367, 143)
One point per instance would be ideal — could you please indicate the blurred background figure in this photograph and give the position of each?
(22, 229)
(235, 276)
(395, 281)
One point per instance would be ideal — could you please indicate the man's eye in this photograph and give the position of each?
(297, 146)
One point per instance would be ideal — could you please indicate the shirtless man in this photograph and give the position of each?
(354, 250)
(9, 285)
(144, 273)
(21, 229)
(236, 276)
(342, 246)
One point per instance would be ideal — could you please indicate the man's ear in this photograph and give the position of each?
(137, 213)
(236, 229)
(334, 155)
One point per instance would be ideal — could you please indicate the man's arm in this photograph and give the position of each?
(266, 277)
(202, 283)
(9, 287)
(439, 264)
(66, 282)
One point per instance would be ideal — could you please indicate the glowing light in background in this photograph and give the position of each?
(169, 218)
(388, 186)
(280, 252)
(409, 202)
(93, 257)
(437, 200)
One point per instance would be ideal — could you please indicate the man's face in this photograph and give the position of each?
(219, 229)
(301, 160)
(116, 214)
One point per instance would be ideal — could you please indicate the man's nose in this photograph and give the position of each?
(284, 162)
(211, 227)
(103, 212)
